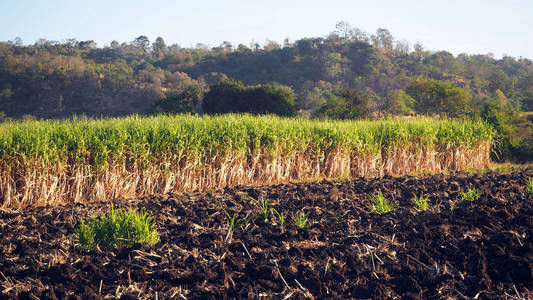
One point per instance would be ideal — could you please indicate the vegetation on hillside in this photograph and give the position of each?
(53, 79)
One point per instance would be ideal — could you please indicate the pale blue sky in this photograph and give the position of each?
(458, 26)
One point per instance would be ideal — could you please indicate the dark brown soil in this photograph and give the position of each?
(480, 249)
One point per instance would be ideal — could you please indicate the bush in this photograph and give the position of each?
(231, 96)
(434, 96)
(118, 228)
(398, 102)
(185, 102)
(348, 104)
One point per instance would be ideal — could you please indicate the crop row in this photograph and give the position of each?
(48, 162)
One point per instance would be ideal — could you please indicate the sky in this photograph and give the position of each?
(500, 27)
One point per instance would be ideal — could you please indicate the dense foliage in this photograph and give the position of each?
(434, 96)
(348, 104)
(231, 96)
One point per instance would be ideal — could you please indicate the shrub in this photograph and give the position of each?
(348, 104)
(443, 97)
(185, 102)
(231, 96)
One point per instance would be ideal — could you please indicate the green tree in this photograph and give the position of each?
(142, 43)
(383, 38)
(398, 102)
(186, 101)
(442, 97)
(159, 47)
(348, 104)
(233, 96)
(85, 45)
(499, 116)
(313, 99)
(500, 99)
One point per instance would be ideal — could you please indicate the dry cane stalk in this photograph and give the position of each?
(44, 185)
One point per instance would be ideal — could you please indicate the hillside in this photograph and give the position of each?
(52, 79)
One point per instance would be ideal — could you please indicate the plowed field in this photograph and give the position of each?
(481, 248)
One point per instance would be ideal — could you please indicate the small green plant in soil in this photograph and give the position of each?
(300, 219)
(380, 205)
(118, 228)
(421, 202)
(338, 217)
(529, 185)
(280, 217)
(232, 220)
(452, 205)
(263, 207)
(471, 195)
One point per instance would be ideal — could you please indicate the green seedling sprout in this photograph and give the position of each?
(471, 195)
(263, 206)
(380, 205)
(421, 202)
(232, 220)
(300, 219)
(452, 205)
(280, 217)
(338, 217)
(529, 185)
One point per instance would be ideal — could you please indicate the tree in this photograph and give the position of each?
(186, 101)
(241, 48)
(227, 46)
(348, 104)
(271, 45)
(233, 96)
(402, 47)
(142, 43)
(114, 44)
(398, 102)
(500, 99)
(383, 38)
(360, 35)
(86, 45)
(344, 31)
(18, 42)
(418, 49)
(159, 47)
(42, 42)
(442, 97)
(313, 99)
(499, 116)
